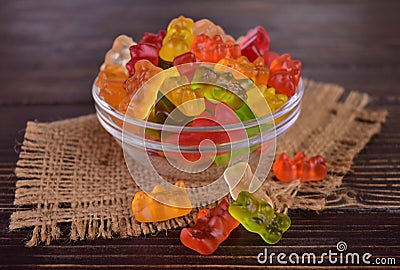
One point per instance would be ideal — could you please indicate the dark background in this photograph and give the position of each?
(50, 52)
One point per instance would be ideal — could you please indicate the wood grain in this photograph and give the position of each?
(50, 52)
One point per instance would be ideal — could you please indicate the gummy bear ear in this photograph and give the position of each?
(141, 195)
(180, 184)
(203, 213)
(301, 156)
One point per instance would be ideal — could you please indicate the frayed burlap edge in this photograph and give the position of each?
(73, 172)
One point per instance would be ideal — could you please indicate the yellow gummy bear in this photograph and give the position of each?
(178, 39)
(149, 208)
(275, 101)
(178, 91)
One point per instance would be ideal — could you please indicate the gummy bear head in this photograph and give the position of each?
(180, 29)
(181, 24)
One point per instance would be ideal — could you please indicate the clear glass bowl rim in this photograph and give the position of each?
(291, 104)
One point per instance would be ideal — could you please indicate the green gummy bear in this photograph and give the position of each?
(258, 216)
(220, 86)
(244, 113)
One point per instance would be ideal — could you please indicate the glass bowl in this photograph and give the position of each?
(162, 156)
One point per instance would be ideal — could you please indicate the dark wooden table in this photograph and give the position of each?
(50, 52)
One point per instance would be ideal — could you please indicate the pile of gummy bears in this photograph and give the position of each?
(129, 65)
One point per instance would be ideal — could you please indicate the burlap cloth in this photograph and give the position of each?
(73, 172)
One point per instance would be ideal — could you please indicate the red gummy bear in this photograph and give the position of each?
(285, 74)
(148, 49)
(255, 43)
(186, 70)
(155, 39)
(212, 227)
(269, 56)
(223, 115)
(139, 52)
(300, 167)
(185, 58)
(214, 49)
(285, 62)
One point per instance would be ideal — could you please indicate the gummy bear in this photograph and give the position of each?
(119, 53)
(161, 204)
(221, 115)
(255, 71)
(207, 27)
(204, 75)
(163, 109)
(258, 216)
(300, 167)
(269, 56)
(185, 58)
(216, 114)
(212, 227)
(142, 51)
(221, 87)
(285, 74)
(144, 100)
(148, 48)
(234, 97)
(204, 120)
(110, 81)
(255, 43)
(186, 138)
(285, 62)
(178, 39)
(213, 49)
(154, 39)
(274, 100)
(185, 70)
(240, 177)
(144, 70)
(180, 93)
(245, 113)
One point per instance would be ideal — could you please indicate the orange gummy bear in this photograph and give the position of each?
(148, 208)
(257, 71)
(213, 49)
(111, 83)
(300, 167)
(144, 71)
